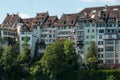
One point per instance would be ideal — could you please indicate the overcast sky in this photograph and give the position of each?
(29, 8)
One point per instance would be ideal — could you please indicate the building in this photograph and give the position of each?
(100, 24)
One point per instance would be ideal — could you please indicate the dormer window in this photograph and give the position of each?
(104, 9)
(115, 9)
(72, 22)
(85, 13)
(93, 11)
(64, 22)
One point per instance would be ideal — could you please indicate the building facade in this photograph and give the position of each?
(98, 24)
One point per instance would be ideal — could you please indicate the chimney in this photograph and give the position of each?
(7, 14)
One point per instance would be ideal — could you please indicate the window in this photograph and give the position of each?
(87, 36)
(100, 49)
(109, 61)
(109, 42)
(101, 31)
(100, 55)
(117, 55)
(53, 35)
(22, 38)
(46, 40)
(100, 42)
(116, 42)
(50, 31)
(93, 30)
(87, 25)
(100, 61)
(93, 25)
(109, 48)
(117, 61)
(100, 36)
(69, 27)
(109, 55)
(93, 11)
(88, 30)
(64, 27)
(115, 9)
(50, 36)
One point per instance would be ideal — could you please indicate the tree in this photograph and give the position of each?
(1, 51)
(111, 77)
(91, 58)
(70, 55)
(58, 59)
(23, 60)
(24, 57)
(7, 62)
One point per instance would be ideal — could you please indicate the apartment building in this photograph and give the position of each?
(9, 29)
(100, 24)
(66, 26)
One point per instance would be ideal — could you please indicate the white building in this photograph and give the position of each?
(100, 24)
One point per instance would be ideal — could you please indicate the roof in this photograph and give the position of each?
(10, 20)
(28, 23)
(50, 21)
(40, 18)
(67, 20)
(98, 13)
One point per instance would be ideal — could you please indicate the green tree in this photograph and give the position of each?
(7, 62)
(52, 60)
(70, 55)
(37, 72)
(1, 51)
(91, 58)
(23, 60)
(111, 77)
(24, 57)
(58, 59)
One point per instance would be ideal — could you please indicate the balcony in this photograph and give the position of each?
(110, 36)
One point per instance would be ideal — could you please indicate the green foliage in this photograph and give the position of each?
(111, 77)
(70, 55)
(1, 51)
(58, 59)
(24, 57)
(7, 62)
(99, 75)
(8, 57)
(91, 58)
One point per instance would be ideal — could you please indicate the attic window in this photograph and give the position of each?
(115, 9)
(85, 13)
(93, 11)
(71, 22)
(64, 22)
(104, 9)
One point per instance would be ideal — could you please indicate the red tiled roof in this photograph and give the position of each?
(10, 20)
(67, 20)
(50, 21)
(40, 18)
(99, 12)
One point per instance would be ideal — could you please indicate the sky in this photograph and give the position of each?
(29, 8)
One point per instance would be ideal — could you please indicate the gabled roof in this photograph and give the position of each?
(10, 20)
(100, 12)
(25, 28)
(67, 20)
(50, 21)
(40, 18)
(28, 24)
